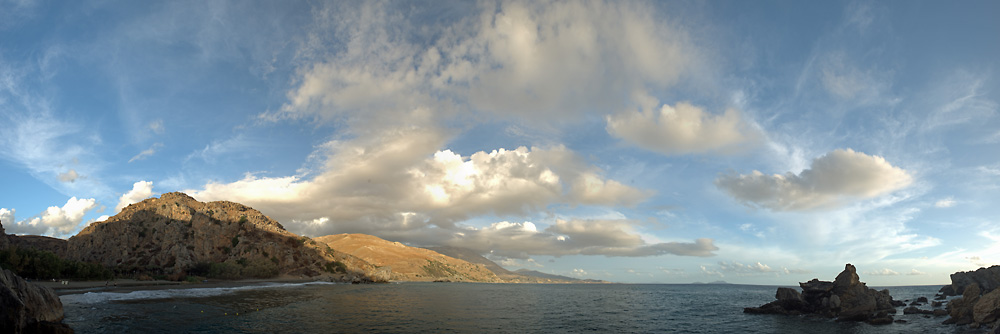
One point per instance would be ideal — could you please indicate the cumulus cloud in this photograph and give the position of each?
(54, 221)
(882, 272)
(140, 190)
(831, 181)
(914, 272)
(945, 203)
(739, 269)
(69, 176)
(398, 180)
(682, 129)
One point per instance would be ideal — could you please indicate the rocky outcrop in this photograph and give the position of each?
(980, 302)
(175, 235)
(408, 263)
(26, 307)
(3, 237)
(846, 298)
(988, 279)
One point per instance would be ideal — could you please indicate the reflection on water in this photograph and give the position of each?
(467, 307)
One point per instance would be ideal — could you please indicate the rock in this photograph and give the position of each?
(987, 279)
(816, 286)
(937, 303)
(922, 300)
(947, 290)
(915, 310)
(26, 307)
(846, 298)
(987, 309)
(900, 321)
(939, 313)
(881, 320)
(3, 237)
(960, 309)
(897, 303)
(846, 279)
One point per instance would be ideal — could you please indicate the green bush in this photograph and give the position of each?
(39, 264)
(224, 270)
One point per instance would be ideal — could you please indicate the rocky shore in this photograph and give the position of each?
(979, 304)
(846, 299)
(28, 308)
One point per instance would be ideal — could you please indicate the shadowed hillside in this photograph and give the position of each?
(408, 263)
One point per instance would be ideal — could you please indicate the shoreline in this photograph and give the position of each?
(129, 285)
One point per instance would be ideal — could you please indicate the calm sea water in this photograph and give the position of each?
(462, 307)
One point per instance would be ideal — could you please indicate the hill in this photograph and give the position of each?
(506, 275)
(175, 235)
(408, 263)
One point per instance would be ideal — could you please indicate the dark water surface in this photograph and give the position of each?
(463, 307)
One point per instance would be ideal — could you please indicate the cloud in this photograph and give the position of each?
(594, 55)
(69, 176)
(146, 153)
(945, 203)
(914, 272)
(140, 190)
(38, 139)
(682, 129)
(882, 272)
(571, 237)
(156, 126)
(398, 180)
(739, 269)
(831, 182)
(54, 221)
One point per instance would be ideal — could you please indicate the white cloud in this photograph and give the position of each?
(914, 272)
(572, 237)
(156, 126)
(831, 182)
(882, 272)
(69, 176)
(146, 153)
(594, 55)
(366, 185)
(140, 190)
(945, 203)
(54, 221)
(682, 129)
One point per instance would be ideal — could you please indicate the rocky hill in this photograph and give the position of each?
(408, 263)
(979, 305)
(176, 235)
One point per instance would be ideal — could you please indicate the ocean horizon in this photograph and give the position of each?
(407, 307)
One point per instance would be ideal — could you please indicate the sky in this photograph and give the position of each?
(764, 142)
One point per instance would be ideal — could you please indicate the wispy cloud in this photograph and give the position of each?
(146, 153)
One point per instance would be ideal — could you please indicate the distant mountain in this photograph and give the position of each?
(713, 282)
(551, 277)
(504, 274)
(409, 263)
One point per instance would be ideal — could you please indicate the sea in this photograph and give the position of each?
(464, 308)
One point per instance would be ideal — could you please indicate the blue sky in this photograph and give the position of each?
(752, 142)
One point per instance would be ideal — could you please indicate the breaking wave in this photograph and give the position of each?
(102, 297)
